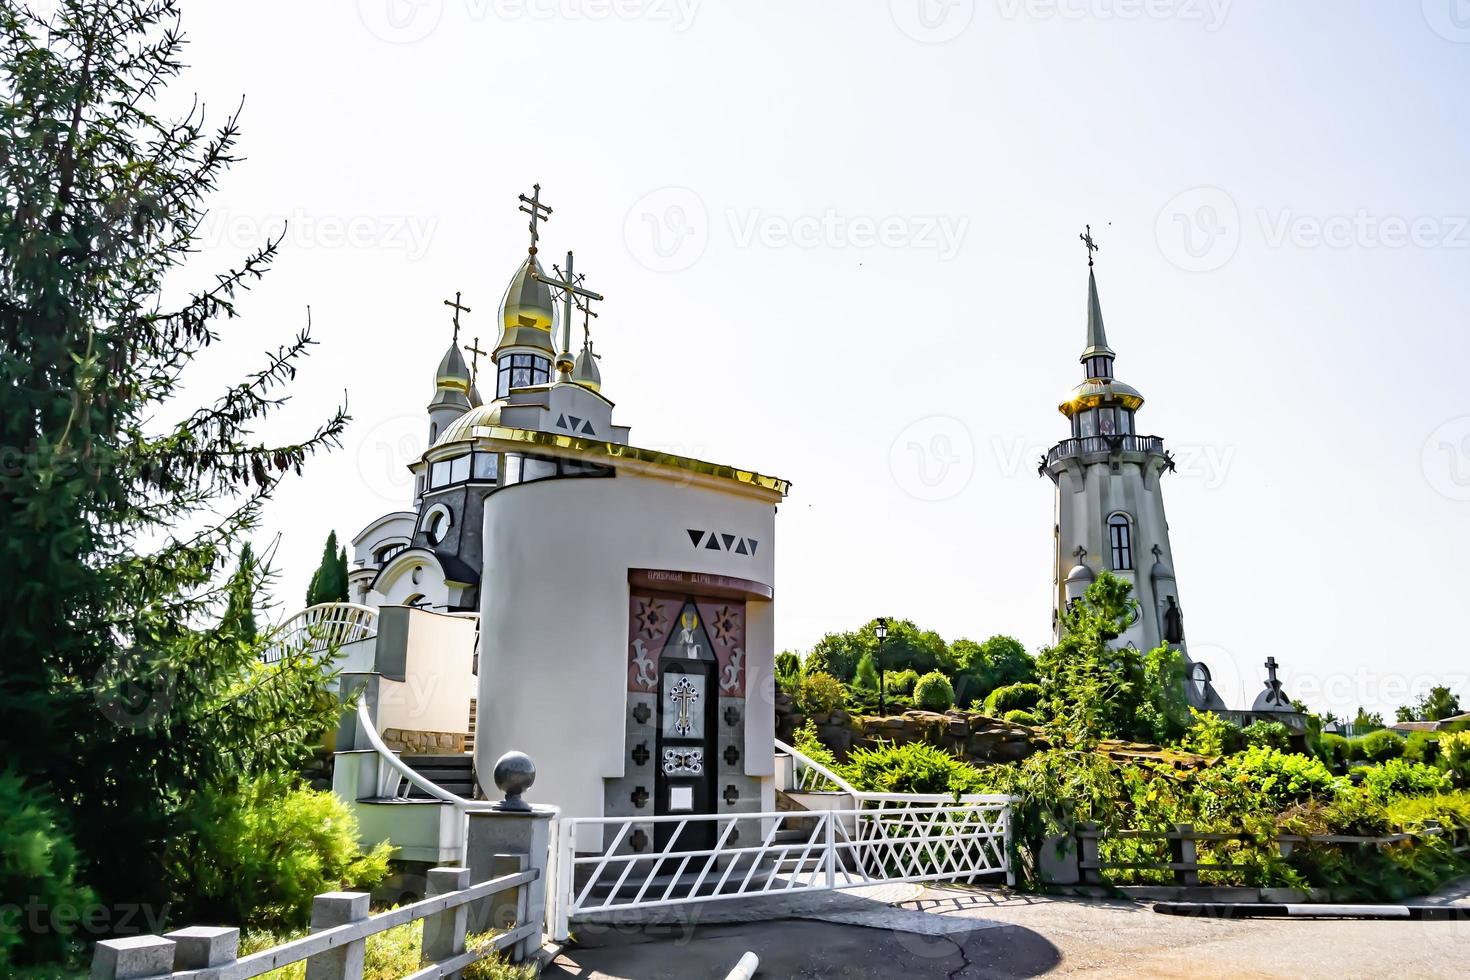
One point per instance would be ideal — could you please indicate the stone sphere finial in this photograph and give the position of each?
(514, 774)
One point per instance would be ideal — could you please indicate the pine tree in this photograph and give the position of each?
(329, 581)
(866, 676)
(119, 699)
(240, 597)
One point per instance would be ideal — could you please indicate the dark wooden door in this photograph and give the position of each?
(685, 778)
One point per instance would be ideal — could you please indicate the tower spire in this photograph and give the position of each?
(1097, 337)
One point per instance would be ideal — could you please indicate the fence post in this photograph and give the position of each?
(829, 843)
(1087, 847)
(566, 866)
(1183, 850)
(205, 948)
(512, 908)
(131, 957)
(444, 932)
(346, 961)
(1007, 814)
(496, 833)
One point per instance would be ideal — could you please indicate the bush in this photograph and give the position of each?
(788, 673)
(1020, 717)
(1334, 750)
(1012, 697)
(820, 694)
(38, 864)
(866, 677)
(1421, 747)
(1284, 779)
(1397, 777)
(933, 692)
(902, 682)
(257, 855)
(1209, 734)
(913, 768)
(1379, 746)
(1454, 751)
(1267, 735)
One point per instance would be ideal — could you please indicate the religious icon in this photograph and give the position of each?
(688, 623)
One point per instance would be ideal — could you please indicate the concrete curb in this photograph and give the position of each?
(1221, 910)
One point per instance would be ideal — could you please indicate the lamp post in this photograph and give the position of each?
(882, 631)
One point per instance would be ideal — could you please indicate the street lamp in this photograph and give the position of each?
(882, 631)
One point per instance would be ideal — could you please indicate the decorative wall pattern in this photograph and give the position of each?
(725, 622)
(650, 621)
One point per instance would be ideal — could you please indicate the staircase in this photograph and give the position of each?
(455, 773)
(469, 740)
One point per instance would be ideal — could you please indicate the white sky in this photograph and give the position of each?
(1312, 390)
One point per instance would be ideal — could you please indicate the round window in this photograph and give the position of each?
(438, 526)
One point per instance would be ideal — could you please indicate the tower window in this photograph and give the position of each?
(1120, 538)
(521, 371)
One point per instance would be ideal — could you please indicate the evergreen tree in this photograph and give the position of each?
(329, 581)
(240, 597)
(867, 674)
(120, 699)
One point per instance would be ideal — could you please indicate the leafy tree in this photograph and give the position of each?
(867, 674)
(329, 581)
(120, 700)
(906, 647)
(836, 654)
(1366, 719)
(1440, 703)
(982, 667)
(1092, 690)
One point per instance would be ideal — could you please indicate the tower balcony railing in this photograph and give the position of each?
(1105, 445)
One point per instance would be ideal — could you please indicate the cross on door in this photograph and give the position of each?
(683, 696)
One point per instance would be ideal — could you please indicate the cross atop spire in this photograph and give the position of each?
(475, 354)
(539, 212)
(458, 309)
(570, 284)
(1091, 245)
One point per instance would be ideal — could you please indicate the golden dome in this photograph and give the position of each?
(463, 428)
(1090, 394)
(453, 373)
(527, 313)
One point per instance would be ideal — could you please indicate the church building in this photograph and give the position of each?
(1110, 504)
(625, 595)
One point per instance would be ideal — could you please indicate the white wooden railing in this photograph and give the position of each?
(341, 925)
(325, 626)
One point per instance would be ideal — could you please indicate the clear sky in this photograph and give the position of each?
(839, 245)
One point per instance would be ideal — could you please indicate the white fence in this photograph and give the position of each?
(883, 838)
(323, 627)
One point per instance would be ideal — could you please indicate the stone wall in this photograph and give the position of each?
(974, 737)
(424, 743)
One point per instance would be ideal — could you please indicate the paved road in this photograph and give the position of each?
(953, 933)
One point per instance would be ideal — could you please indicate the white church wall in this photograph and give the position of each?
(554, 613)
(428, 667)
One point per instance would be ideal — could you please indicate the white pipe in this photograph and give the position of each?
(745, 969)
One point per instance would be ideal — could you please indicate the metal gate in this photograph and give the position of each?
(872, 838)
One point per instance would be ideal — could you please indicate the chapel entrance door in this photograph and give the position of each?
(687, 700)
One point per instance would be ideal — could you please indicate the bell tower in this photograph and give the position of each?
(1110, 503)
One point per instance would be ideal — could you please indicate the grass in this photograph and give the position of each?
(390, 955)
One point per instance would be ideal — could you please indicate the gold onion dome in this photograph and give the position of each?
(586, 372)
(1090, 394)
(463, 428)
(527, 313)
(453, 373)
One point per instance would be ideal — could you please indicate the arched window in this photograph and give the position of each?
(1120, 540)
(1199, 676)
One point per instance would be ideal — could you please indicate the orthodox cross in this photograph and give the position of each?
(539, 212)
(1271, 666)
(683, 697)
(1080, 553)
(587, 313)
(475, 354)
(458, 309)
(1158, 553)
(1091, 245)
(570, 285)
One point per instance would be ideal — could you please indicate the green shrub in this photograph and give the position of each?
(820, 694)
(1379, 746)
(256, 855)
(1334, 751)
(810, 745)
(1209, 734)
(38, 866)
(1012, 697)
(1454, 749)
(913, 768)
(1021, 717)
(788, 673)
(903, 681)
(1267, 735)
(933, 692)
(1282, 778)
(1398, 777)
(1421, 747)
(867, 674)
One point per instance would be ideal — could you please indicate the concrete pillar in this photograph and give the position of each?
(204, 947)
(131, 957)
(494, 834)
(346, 961)
(444, 932)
